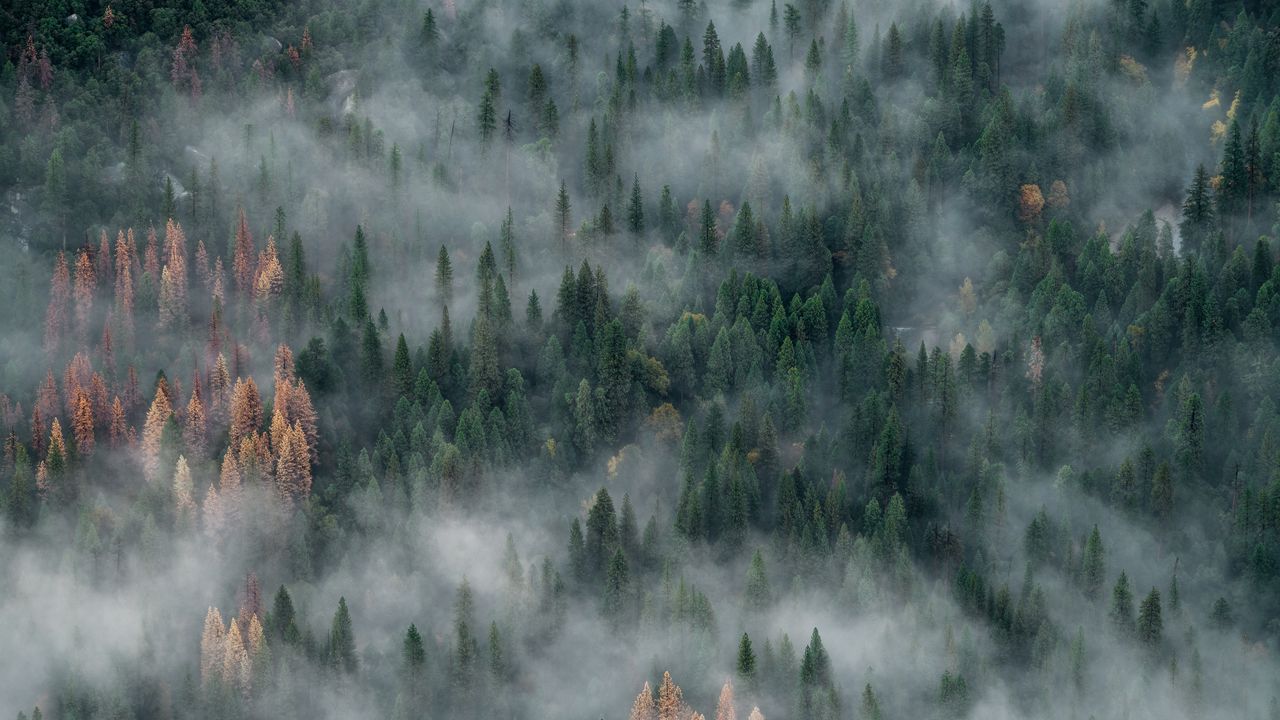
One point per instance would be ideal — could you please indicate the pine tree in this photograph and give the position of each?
(444, 276)
(758, 595)
(746, 666)
(635, 208)
(870, 705)
(724, 706)
(236, 667)
(1122, 606)
(184, 505)
(1094, 569)
(341, 650)
(1150, 625)
(670, 699)
(212, 647)
(1197, 212)
(245, 411)
(82, 425)
(152, 432)
(563, 218)
(644, 708)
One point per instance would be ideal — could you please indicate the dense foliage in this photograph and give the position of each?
(837, 359)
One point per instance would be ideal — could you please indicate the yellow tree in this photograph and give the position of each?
(755, 714)
(236, 670)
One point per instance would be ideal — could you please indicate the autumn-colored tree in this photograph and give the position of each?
(85, 284)
(184, 504)
(243, 256)
(151, 256)
(98, 401)
(1030, 203)
(229, 487)
(77, 377)
(246, 410)
(236, 670)
(755, 714)
(269, 279)
(203, 271)
(293, 466)
(82, 425)
(670, 699)
(1035, 362)
(124, 286)
(212, 647)
(182, 70)
(219, 389)
(55, 317)
(282, 366)
(293, 400)
(171, 315)
(195, 427)
(250, 602)
(213, 518)
(644, 708)
(1059, 198)
(724, 707)
(132, 395)
(117, 427)
(152, 432)
(175, 256)
(55, 463)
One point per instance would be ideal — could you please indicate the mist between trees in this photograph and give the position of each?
(550, 358)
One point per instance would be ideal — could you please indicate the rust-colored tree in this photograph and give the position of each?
(117, 428)
(293, 467)
(124, 287)
(1030, 203)
(195, 427)
(246, 410)
(229, 485)
(153, 432)
(82, 424)
(670, 699)
(242, 256)
(85, 283)
(55, 316)
(182, 70)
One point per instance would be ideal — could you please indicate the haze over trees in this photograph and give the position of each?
(508, 358)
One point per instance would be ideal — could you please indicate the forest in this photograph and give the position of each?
(646, 359)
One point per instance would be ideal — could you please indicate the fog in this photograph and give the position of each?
(884, 201)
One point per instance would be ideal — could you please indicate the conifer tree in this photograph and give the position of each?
(341, 649)
(644, 708)
(152, 432)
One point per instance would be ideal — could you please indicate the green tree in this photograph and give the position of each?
(342, 642)
(1150, 625)
(1122, 606)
